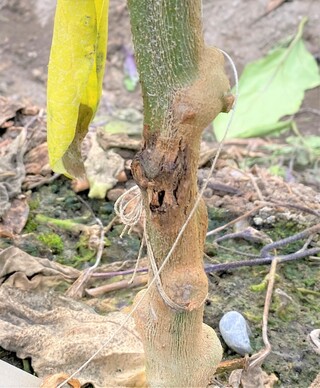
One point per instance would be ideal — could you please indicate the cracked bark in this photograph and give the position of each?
(184, 87)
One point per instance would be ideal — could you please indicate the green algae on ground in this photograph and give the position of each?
(292, 358)
(53, 241)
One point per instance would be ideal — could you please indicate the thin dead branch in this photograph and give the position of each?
(261, 261)
(293, 206)
(138, 281)
(249, 234)
(254, 184)
(298, 236)
(249, 213)
(257, 359)
(43, 181)
(212, 267)
(235, 251)
(230, 365)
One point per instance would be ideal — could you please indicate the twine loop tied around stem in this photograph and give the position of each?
(129, 209)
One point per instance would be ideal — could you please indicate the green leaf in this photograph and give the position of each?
(271, 88)
(310, 142)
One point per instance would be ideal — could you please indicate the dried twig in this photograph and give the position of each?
(220, 228)
(122, 284)
(257, 359)
(110, 225)
(308, 110)
(298, 236)
(43, 181)
(235, 251)
(293, 206)
(249, 234)
(108, 275)
(254, 184)
(222, 266)
(230, 365)
(261, 261)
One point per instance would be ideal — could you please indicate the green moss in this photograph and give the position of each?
(79, 261)
(283, 308)
(52, 241)
(217, 217)
(84, 255)
(34, 204)
(260, 287)
(31, 225)
(284, 229)
(263, 285)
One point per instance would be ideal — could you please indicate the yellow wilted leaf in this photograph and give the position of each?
(75, 75)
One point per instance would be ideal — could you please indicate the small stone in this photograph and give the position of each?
(258, 221)
(37, 74)
(271, 220)
(207, 193)
(235, 332)
(31, 110)
(32, 54)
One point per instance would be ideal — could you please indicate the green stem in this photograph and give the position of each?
(69, 225)
(168, 40)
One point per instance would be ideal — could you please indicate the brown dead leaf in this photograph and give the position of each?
(12, 171)
(14, 220)
(117, 140)
(252, 378)
(19, 269)
(235, 378)
(36, 159)
(257, 378)
(60, 334)
(314, 338)
(273, 4)
(8, 109)
(54, 380)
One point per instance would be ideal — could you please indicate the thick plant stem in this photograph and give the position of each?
(184, 87)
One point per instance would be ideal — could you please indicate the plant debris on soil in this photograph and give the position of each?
(47, 218)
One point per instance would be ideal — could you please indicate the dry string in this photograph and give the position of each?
(121, 209)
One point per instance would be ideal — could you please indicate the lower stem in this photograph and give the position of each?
(179, 102)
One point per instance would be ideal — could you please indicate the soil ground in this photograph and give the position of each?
(238, 27)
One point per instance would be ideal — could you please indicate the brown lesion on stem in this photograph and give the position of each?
(169, 156)
(158, 169)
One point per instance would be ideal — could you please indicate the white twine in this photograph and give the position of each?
(133, 217)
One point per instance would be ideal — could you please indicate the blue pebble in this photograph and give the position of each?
(235, 332)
